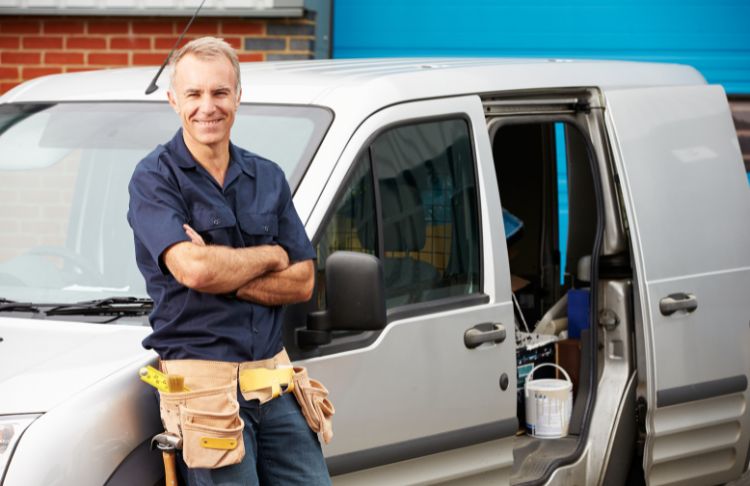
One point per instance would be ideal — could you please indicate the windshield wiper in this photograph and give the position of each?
(109, 306)
(7, 305)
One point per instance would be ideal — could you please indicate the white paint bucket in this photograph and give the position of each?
(549, 403)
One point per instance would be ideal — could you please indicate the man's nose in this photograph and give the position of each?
(207, 104)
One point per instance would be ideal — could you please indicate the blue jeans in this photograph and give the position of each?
(280, 449)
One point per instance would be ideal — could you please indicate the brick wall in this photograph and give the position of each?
(32, 46)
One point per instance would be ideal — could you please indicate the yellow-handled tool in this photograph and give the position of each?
(162, 382)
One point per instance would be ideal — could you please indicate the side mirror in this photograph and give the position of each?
(355, 298)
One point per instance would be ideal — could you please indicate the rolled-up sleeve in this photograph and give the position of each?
(156, 212)
(292, 236)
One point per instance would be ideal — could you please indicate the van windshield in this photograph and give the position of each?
(64, 172)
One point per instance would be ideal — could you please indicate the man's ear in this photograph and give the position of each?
(239, 95)
(173, 101)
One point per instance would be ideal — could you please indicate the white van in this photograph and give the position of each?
(438, 185)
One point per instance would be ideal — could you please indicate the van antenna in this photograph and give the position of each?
(153, 87)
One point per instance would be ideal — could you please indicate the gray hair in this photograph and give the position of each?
(206, 48)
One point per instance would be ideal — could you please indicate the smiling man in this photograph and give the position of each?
(221, 247)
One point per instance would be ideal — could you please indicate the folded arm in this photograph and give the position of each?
(220, 269)
(291, 285)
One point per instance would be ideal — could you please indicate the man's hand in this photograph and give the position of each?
(293, 284)
(281, 254)
(194, 236)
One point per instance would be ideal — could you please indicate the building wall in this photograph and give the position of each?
(711, 35)
(32, 46)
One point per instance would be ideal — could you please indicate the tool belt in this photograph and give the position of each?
(206, 414)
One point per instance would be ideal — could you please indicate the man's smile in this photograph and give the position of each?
(209, 123)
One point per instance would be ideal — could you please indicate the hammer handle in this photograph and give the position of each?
(170, 468)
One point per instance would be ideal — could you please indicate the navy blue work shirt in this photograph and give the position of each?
(168, 189)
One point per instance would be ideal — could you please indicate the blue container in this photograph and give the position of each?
(578, 312)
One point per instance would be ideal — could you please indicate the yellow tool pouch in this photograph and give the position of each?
(206, 417)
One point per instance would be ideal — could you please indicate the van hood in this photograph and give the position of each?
(43, 363)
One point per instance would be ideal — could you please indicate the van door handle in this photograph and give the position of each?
(677, 302)
(484, 333)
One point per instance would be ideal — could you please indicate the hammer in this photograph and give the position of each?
(167, 443)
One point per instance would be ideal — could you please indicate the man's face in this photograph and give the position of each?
(204, 94)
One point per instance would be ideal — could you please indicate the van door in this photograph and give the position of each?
(688, 209)
(412, 188)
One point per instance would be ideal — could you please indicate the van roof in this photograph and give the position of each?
(373, 82)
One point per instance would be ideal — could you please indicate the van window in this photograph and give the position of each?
(352, 226)
(426, 232)
(428, 198)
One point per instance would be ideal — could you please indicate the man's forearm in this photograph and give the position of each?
(221, 269)
(289, 286)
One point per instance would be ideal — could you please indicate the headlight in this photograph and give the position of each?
(11, 429)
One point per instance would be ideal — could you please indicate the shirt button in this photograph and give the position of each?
(255, 330)
(265, 228)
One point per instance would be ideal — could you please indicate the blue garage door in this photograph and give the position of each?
(711, 35)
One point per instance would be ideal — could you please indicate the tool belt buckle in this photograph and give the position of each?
(278, 380)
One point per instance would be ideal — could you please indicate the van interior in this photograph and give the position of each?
(546, 189)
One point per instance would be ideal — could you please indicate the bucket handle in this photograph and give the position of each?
(530, 376)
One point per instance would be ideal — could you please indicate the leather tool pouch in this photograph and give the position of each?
(207, 418)
(313, 400)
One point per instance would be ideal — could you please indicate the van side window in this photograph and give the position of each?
(426, 233)
(352, 227)
(425, 175)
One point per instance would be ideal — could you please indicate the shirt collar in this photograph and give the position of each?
(182, 156)
(185, 160)
(244, 158)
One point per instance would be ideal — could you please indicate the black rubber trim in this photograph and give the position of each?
(584, 384)
(701, 391)
(410, 449)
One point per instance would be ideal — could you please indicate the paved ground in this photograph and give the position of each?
(743, 481)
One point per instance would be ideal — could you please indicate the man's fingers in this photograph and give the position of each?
(193, 235)
(283, 258)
